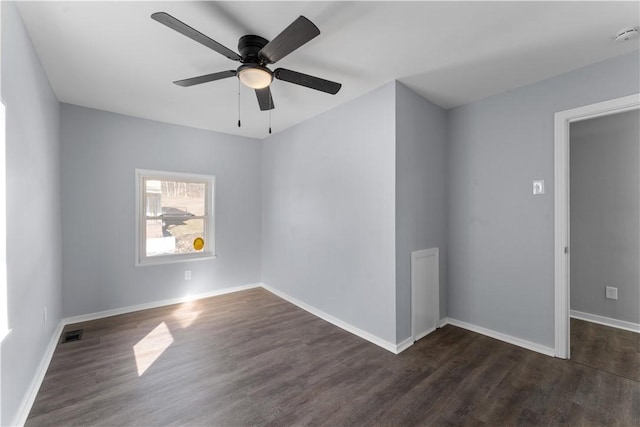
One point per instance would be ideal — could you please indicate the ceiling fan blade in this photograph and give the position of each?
(295, 35)
(182, 28)
(206, 78)
(264, 99)
(307, 81)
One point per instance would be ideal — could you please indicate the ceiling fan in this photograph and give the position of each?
(255, 54)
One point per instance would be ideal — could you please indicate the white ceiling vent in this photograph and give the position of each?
(626, 34)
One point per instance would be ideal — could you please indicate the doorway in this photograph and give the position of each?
(604, 158)
(563, 120)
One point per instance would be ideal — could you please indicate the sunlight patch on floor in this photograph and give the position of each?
(149, 348)
(187, 313)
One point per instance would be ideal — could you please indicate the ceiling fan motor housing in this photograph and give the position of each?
(249, 46)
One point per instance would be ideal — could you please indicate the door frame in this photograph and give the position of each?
(562, 122)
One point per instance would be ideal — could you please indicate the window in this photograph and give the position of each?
(174, 217)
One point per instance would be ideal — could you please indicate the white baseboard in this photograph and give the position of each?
(503, 337)
(408, 342)
(155, 304)
(403, 345)
(606, 321)
(335, 321)
(425, 333)
(36, 382)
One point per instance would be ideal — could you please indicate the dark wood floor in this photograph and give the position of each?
(250, 358)
(609, 349)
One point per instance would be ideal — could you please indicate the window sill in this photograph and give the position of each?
(173, 259)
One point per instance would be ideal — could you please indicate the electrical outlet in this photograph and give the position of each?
(44, 316)
(611, 292)
(187, 275)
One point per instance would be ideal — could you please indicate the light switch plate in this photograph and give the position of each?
(538, 187)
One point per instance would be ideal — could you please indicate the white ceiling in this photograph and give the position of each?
(114, 57)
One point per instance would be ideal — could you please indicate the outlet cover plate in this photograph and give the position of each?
(611, 292)
(538, 187)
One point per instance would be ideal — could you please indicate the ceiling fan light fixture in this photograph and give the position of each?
(255, 76)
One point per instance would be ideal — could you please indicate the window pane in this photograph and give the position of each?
(173, 235)
(176, 198)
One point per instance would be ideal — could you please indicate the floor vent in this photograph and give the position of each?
(70, 336)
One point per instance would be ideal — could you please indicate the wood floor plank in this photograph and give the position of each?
(606, 348)
(252, 359)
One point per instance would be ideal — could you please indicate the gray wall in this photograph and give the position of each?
(322, 221)
(605, 222)
(100, 152)
(33, 211)
(328, 212)
(501, 252)
(421, 197)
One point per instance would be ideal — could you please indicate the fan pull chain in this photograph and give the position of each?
(271, 108)
(239, 124)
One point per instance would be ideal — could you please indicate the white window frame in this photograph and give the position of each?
(209, 219)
